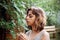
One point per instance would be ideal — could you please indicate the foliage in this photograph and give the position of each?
(51, 7)
(17, 10)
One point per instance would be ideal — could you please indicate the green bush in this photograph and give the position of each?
(17, 10)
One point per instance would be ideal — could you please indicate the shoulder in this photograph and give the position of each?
(46, 35)
(44, 32)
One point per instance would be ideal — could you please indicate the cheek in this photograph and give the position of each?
(33, 20)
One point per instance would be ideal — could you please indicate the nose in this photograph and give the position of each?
(27, 17)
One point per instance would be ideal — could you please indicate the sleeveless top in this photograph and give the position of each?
(40, 35)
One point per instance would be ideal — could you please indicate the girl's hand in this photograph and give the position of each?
(21, 36)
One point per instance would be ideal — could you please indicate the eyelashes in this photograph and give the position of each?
(30, 16)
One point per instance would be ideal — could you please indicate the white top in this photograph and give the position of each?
(39, 36)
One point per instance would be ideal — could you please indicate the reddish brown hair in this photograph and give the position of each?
(40, 21)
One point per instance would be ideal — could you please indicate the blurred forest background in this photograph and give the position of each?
(13, 13)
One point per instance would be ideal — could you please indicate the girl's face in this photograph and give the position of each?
(30, 18)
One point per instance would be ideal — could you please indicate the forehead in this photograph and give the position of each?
(29, 12)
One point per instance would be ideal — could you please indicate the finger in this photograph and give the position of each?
(19, 37)
(22, 37)
(22, 34)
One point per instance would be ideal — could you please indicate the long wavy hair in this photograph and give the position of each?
(40, 20)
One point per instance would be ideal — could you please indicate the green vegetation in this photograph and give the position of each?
(16, 10)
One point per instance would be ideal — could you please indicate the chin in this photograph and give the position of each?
(28, 24)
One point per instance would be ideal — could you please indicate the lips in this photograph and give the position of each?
(27, 21)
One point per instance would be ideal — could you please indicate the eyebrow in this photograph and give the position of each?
(29, 14)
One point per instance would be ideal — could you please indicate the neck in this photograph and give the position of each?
(34, 29)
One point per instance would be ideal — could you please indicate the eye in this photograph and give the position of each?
(30, 16)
